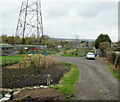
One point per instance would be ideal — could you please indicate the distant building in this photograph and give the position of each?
(6, 49)
(115, 46)
(82, 45)
(29, 47)
(59, 46)
(19, 47)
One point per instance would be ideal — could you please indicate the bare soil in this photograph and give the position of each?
(18, 78)
(36, 95)
(14, 66)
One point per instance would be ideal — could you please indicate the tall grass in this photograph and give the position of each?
(38, 61)
(115, 71)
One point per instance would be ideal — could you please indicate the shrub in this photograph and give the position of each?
(110, 56)
(104, 46)
(35, 60)
(47, 62)
(24, 62)
(39, 61)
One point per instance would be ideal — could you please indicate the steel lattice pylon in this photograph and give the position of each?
(30, 20)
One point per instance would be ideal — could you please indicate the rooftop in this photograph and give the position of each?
(5, 45)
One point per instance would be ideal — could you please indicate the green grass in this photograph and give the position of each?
(1, 96)
(67, 83)
(5, 59)
(69, 55)
(14, 57)
(55, 53)
(113, 70)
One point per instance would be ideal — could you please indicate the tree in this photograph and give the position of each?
(17, 40)
(102, 38)
(10, 39)
(116, 46)
(31, 40)
(63, 43)
(4, 39)
(46, 40)
(7, 39)
(104, 46)
(118, 43)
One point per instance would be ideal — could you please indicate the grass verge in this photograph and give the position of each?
(11, 58)
(55, 53)
(68, 55)
(67, 83)
(113, 70)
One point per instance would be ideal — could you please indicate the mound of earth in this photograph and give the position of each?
(36, 95)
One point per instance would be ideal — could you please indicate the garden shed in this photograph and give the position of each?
(6, 49)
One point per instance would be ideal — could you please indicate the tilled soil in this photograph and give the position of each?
(18, 78)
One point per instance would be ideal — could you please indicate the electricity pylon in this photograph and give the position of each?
(30, 20)
(77, 40)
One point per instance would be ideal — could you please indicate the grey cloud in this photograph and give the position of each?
(119, 20)
(66, 19)
(55, 10)
(94, 9)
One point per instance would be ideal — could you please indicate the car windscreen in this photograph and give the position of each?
(90, 54)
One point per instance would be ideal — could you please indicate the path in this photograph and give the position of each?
(96, 82)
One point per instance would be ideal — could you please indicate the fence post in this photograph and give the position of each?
(48, 79)
(116, 60)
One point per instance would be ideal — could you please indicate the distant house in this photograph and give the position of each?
(19, 47)
(115, 46)
(98, 52)
(6, 49)
(29, 47)
(59, 46)
(82, 45)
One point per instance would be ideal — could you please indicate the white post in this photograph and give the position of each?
(48, 79)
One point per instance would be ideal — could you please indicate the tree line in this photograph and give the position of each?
(43, 40)
(103, 42)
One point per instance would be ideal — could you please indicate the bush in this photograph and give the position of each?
(38, 61)
(47, 62)
(104, 46)
(35, 60)
(111, 56)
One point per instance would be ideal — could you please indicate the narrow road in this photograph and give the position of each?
(96, 82)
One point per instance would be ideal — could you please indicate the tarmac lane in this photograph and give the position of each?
(95, 82)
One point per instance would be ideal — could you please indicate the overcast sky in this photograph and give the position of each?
(65, 19)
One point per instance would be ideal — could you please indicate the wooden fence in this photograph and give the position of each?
(113, 58)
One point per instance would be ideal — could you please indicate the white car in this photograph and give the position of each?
(90, 55)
